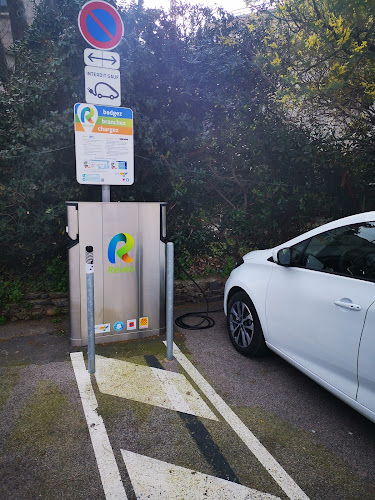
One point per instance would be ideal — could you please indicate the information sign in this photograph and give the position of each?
(102, 86)
(100, 25)
(104, 145)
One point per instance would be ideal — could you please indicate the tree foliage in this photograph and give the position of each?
(210, 137)
(323, 51)
(36, 138)
(319, 57)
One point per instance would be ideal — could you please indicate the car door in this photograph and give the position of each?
(316, 308)
(366, 362)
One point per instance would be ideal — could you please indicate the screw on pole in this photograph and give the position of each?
(169, 300)
(90, 308)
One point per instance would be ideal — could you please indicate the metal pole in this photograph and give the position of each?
(169, 300)
(90, 309)
(106, 193)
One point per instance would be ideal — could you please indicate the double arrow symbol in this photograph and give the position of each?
(92, 57)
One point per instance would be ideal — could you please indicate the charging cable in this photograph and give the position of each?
(206, 320)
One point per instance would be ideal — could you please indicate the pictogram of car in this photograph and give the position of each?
(103, 89)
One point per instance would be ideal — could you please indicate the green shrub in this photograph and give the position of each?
(228, 267)
(11, 291)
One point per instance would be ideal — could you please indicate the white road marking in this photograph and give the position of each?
(169, 389)
(109, 472)
(149, 385)
(288, 485)
(153, 479)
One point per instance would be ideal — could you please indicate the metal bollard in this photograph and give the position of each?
(169, 300)
(90, 308)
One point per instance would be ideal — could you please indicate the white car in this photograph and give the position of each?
(312, 301)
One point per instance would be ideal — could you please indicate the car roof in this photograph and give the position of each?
(352, 219)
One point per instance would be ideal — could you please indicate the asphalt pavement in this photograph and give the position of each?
(209, 424)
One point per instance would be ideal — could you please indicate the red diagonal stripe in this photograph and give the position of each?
(101, 25)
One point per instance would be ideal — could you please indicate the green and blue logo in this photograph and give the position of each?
(122, 252)
(86, 114)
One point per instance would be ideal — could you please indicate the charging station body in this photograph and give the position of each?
(129, 249)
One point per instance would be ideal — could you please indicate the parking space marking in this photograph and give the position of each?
(153, 478)
(107, 465)
(149, 385)
(198, 432)
(288, 485)
(174, 396)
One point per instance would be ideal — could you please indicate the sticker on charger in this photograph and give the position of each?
(131, 324)
(100, 329)
(143, 322)
(118, 326)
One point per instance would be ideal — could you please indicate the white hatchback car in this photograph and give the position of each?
(312, 301)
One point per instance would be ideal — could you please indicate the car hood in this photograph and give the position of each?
(258, 255)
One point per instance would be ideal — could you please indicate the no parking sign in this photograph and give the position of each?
(100, 25)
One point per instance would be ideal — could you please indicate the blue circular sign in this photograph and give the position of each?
(118, 326)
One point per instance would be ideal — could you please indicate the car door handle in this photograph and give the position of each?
(348, 305)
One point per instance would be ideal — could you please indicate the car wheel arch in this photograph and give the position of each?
(233, 291)
(237, 289)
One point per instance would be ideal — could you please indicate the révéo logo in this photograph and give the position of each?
(122, 252)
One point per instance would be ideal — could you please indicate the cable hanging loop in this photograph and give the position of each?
(207, 321)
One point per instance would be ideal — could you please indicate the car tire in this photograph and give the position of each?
(244, 328)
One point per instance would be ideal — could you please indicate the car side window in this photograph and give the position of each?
(347, 251)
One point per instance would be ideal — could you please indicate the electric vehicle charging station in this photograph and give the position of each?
(129, 247)
(128, 239)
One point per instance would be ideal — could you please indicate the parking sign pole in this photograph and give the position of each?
(106, 193)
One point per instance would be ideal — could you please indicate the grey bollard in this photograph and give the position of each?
(169, 300)
(90, 309)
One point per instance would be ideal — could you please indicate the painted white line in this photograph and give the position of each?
(149, 385)
(108, 469)
(282, 478)
(177, 401)
(153, 479)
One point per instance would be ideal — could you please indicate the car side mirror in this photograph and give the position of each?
(284, 257)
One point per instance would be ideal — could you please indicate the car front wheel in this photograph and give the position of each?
(245, 331)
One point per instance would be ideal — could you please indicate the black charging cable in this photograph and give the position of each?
(207, 321)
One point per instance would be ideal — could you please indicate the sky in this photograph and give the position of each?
(229, 5)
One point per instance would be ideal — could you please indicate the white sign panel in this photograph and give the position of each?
(102, 86)
(101, 59)
(104, 145)
(104, 328)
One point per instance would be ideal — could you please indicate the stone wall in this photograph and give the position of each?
(187, 291)
(38, 305)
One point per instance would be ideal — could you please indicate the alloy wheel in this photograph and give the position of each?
(241, 324)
